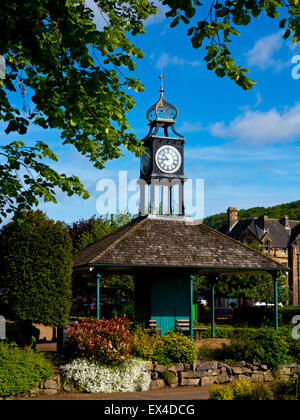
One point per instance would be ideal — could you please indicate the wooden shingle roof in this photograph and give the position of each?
(154, 241)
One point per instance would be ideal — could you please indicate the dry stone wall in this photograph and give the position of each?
(214, 372)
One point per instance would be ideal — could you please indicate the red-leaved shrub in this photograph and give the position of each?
(107, 341)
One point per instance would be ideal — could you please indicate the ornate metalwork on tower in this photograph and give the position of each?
(162, 164)
(162, 110)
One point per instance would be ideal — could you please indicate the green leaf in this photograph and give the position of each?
(282, 23)
(174, 22)
(287, 34)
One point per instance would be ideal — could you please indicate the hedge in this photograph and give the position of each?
(21, 370)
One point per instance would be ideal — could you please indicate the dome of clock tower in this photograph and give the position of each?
(162, 110)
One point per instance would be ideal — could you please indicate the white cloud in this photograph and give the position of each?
(262, 54)
(258, 99)
(257, 127)
(166, 59)
(188, 127)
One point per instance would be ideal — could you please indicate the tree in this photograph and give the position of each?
(257, 287)
(86, 232)
(68, 77)
(35, 272)
(222, 18)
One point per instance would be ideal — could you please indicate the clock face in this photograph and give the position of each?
(168, 159)
(146, 161)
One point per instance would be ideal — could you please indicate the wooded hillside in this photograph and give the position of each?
(292, 209)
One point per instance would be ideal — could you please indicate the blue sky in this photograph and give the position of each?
(245, 145)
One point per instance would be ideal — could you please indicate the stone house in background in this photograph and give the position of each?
(279, 237)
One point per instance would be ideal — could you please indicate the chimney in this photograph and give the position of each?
(232, 217)
(285, 221)
(264, 220)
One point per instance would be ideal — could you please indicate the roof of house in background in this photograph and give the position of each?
(157, 241)
(273, 229)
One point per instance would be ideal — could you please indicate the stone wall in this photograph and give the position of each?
(213, 372)
(49, 387)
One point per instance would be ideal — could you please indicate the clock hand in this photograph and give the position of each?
(166, 161)
(170, 160)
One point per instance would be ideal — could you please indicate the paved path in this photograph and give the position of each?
(164, 394)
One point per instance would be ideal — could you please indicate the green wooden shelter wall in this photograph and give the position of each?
(170, 300)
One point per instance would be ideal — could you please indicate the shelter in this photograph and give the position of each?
(163, 253)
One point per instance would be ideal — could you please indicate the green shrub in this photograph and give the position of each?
(174, 347)
(264, 346)
(179, 348)
(221, 393)
(285, 390)
(161, 355)
(294, 350)
(224, 331)
(293, 345)
(107, 341)
(286, 313)
(262, 392)
(240, 390)
(145, 346)
(21, 370)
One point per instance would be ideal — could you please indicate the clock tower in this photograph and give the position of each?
(162, 164)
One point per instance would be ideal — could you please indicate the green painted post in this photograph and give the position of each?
(98, 276)
(213, 332)
(276, 300)
(191, 306)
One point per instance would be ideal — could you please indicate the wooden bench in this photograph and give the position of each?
(152, 327)
(197, 332)
(182, 324)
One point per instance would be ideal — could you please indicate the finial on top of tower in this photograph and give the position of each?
(161, 77)
(162, 110)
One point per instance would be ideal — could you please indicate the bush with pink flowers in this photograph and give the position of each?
(107, 341)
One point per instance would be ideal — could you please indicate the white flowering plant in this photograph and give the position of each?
(95, 378)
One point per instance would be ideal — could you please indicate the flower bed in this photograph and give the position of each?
(107, 341)
(95, 378)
